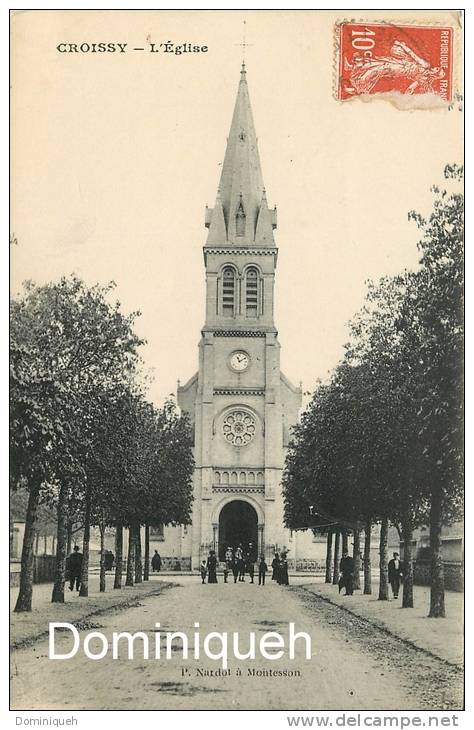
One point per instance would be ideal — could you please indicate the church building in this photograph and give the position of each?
(241, 405)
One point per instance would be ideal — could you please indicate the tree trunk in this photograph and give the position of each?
(45, 544)
(130, 557)
(337, 556)
(329, 557)
(407, 534)
(367, 559)
(61, 547)
(138, 555)
(23, 602)
(84, 589)
(69, 538)
(356, 559)
(102, 558)
(437, 607)
(383, 585)
(345, 541)
(118, 555)
(37, 540)
(146, 567)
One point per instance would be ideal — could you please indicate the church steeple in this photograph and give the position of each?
(241, 198)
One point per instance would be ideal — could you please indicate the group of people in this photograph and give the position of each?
(346, 574)
(240, 562)
(280, 569)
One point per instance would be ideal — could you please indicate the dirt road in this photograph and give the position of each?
(352, 666)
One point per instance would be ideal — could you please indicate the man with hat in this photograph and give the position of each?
(395, 573)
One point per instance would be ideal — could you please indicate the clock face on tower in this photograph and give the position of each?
(239, 361)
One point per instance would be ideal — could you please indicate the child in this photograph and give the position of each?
(203, 571)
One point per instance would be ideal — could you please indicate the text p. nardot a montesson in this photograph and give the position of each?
(103, 47)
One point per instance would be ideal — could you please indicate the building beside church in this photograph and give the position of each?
(241, 405)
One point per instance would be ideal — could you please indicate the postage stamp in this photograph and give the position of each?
(381, 58)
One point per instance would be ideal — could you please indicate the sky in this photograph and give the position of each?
(114, 157)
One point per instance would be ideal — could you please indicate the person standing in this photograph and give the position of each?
(74, 567)
(212, 567)
(283, 570)
(109, 559)
(395, 573)
(346, 568)
(250, 567)
(235, 567)
(239, 554)
(262, 570)
(229, 554)
(275, 567)
(156, 562)
(203, 570)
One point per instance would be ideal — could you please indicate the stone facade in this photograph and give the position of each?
(241, 405)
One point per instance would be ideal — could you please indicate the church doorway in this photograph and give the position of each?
(238, 525)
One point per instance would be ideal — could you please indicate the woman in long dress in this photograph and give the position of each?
(275, 566)
(283, 570)
(212, 567)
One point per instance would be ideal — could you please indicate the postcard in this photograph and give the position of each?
(237, 362)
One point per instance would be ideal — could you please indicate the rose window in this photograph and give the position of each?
(238, 428)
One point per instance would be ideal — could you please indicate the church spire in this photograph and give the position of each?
(241, 190)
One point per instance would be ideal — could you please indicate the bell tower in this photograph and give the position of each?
(241, 405)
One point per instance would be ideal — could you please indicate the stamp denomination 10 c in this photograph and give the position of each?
(379, 58)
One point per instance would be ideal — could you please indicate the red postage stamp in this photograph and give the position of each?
(385, 58)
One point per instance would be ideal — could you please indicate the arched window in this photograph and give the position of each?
(251, 292)
(228, 292)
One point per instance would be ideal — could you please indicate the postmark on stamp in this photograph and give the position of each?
(383, 58)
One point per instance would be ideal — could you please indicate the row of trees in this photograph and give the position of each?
(382, 440)
(83, 436)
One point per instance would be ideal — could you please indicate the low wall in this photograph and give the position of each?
(453, 574)
(44, 567)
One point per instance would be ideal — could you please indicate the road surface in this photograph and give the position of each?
(353, 666)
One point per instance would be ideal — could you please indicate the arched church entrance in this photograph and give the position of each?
(238, 525)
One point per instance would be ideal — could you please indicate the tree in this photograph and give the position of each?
(67, 342)
(440, 335)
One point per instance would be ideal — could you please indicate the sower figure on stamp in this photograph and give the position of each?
(395, 573)
(262, 570)
(74, 567)
(346, 568)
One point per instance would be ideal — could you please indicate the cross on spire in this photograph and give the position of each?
(244, 45)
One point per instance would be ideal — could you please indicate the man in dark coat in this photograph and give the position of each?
(74, 568)
(395, 573)
(109, 559)
(156, 562)
(346, 568)
(262, 570)
(250, 567)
